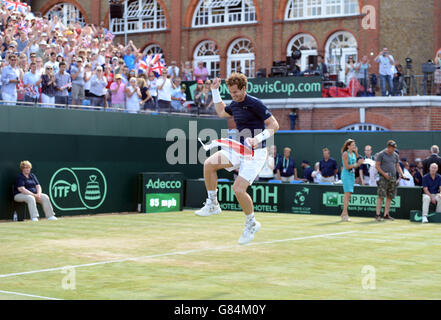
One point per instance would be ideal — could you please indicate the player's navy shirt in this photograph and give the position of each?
(249, 115)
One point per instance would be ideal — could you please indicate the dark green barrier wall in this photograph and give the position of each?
(307, 145)
(88, 142)
(306, 199)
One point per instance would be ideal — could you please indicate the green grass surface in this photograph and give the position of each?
(182, 256)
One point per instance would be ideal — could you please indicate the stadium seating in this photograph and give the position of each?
(275, 181)
(296, 181)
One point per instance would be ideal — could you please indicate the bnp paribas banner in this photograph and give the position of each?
(272, 88)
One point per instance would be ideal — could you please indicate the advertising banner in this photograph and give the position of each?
(271, 88)
(307, 199)
(161, 192)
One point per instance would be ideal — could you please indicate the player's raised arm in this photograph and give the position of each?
(217, 100)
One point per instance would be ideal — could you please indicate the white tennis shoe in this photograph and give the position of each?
(52, 218)
(248, 233)
(209, 209)
(425, 220)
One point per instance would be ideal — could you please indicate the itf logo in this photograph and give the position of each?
(73, 189)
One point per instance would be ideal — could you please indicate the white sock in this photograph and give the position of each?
(250, 217)
(212, 195)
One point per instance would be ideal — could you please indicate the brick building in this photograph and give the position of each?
(253, 33)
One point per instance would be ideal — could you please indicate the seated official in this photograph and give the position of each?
(432, 190)
(307, 172)
(286, 168)
(27, 189)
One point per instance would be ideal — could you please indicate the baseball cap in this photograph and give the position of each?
(118, 76)
(200, 81)
(43, 42)
(418, 160)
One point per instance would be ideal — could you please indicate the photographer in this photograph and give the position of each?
(385, 61)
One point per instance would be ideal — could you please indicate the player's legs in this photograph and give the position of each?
(214, 163)
(251, 225)
(240, 190)
(249, 169)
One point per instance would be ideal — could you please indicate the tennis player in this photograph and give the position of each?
(255, 125)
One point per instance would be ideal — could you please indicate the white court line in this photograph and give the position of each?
(28, 295)
(171, 254)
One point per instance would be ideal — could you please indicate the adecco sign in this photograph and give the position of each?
(160, 192)
(159, 184)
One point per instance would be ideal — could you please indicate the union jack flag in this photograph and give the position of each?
(15, 6)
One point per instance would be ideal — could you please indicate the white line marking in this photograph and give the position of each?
(172, 254)
(28, 295)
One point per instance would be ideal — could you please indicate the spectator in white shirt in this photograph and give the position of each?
(165, 87)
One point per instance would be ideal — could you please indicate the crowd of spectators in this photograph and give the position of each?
(44, 61)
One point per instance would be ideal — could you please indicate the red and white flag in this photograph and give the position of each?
(229, 145)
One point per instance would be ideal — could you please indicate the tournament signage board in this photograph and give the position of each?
(161, 192)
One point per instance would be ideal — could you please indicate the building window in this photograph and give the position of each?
(153, 49)
(310, 9)
(241, 58)
(304, 43)
(364, 127)
(208, 52)
(338, 48)
(210, 13)
(140, 16)
(67, 13)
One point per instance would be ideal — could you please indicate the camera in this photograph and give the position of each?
(408, 63)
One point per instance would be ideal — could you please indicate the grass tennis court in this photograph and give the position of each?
(182, 256)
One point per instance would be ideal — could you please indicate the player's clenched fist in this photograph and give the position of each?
(216, 84)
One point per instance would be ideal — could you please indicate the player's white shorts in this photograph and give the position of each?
(249, 167)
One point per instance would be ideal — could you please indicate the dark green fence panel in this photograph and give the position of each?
(92, 158)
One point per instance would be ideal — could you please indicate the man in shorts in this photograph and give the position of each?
(255, 124)
(387, 165)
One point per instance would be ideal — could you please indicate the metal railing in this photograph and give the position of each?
(194, 112)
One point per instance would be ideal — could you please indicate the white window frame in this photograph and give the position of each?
(364, 127)
(142, 16)
(68, 10)
(241, 59)
(211, 13)
(153, 48)
(316, 9)
(212, 61)
(337, 56)
(310, 50)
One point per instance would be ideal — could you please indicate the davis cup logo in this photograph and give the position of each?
(72, 189)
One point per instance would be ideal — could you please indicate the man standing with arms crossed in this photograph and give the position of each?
(255, 124)
(387, 165)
